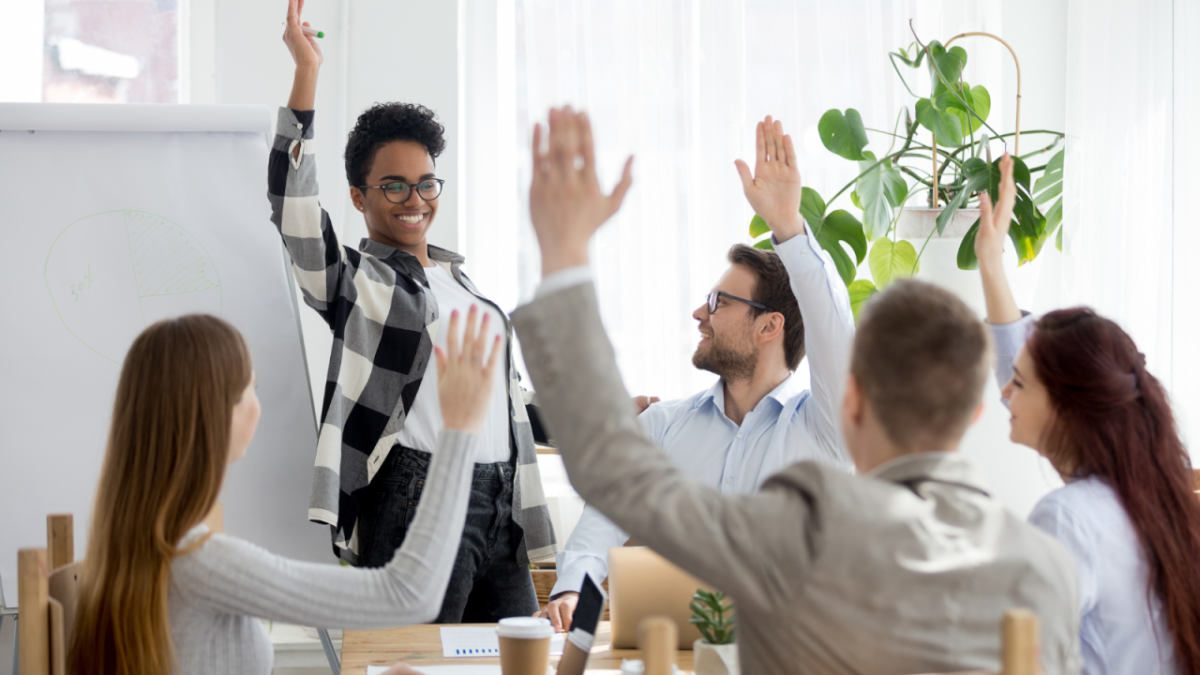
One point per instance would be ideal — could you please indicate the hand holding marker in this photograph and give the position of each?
(309, 31)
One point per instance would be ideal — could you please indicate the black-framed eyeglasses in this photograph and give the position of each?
(397, 192)
(714, 300)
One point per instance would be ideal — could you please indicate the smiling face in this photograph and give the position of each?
(1029, 403)
(727, 346)
(404, 225)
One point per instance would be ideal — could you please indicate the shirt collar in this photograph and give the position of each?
(781, 394)
(944, 466)
(383, 252)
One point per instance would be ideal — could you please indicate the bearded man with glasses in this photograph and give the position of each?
(766, 312)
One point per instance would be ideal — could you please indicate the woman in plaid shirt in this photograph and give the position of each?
(380, 415)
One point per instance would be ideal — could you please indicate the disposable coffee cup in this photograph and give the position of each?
(524, 645)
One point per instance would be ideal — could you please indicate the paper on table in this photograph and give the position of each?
(469, 641)
(443, 670)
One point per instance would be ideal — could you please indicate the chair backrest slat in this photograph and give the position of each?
(33, 606)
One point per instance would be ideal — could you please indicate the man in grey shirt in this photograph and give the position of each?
(906, 568)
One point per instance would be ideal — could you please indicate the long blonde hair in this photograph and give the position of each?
(167, 451)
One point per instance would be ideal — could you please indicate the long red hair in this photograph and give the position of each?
(1114, 421)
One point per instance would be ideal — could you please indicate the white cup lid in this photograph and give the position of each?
(526, 627)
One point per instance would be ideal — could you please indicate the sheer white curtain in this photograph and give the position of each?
(1117, 186)
(679, 84)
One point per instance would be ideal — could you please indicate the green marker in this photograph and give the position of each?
(313, 32)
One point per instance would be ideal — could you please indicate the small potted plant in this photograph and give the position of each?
(944, 170)
(716, 653)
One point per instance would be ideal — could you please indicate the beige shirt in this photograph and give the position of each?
(908, 570)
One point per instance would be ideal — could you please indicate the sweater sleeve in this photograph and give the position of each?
(231, 576)
(1007, 339)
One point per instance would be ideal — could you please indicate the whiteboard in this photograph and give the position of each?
(115, 216)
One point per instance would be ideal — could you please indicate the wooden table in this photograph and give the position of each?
(421, 645)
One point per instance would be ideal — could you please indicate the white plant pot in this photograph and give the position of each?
(917, 223)
(939, 261)
(715, 659)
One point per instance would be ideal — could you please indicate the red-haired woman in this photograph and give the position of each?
(1080, 395)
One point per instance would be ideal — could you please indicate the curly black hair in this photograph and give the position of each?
(386, 122)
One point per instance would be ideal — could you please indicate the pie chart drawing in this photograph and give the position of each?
(112, 274)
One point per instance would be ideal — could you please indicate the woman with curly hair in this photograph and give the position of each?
(1081, 396)
(380, 416)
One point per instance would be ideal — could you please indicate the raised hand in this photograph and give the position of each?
(774, 189)
(307, 55)
(565, 201)
(464, 376)
(989, 247)
(994, 220)
(305, 50)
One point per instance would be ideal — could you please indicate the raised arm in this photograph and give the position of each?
(774, 193)
(318, 261)
(235, 577)
(1009, 327)
(608, 457)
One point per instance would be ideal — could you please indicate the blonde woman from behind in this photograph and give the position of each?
(160, 593)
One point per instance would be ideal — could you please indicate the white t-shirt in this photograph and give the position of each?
(425, 416)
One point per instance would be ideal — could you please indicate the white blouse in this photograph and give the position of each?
(1123, 627)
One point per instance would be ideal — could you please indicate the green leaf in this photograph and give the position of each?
(812, 207)
(840, 226)
(873, 198)
(944, 125)
(948, 62)
(758, 226)
(765, 244)
(977, 175)
(1058, 240)
(979, 100)
(891, 261)
(843, 135)
(830, 230)
(861, 290)
(966, 250)
(855, 200)
(1049, 193)
(1053, 173)
(1054, 218)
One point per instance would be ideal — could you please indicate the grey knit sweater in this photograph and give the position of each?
(219, 592)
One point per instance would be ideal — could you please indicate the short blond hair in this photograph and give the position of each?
(921, 357)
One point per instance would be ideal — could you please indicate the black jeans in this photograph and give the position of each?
(487, 584)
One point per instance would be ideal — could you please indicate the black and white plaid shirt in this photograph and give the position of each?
(376, 302)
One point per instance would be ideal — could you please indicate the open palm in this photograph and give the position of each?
(774, 188)
(305, 50)
(995, 220)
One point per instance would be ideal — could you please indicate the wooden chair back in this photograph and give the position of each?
(41, 613)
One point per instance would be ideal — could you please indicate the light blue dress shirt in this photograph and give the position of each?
(788, 425)
(1123, 628)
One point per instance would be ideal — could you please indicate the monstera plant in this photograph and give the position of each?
(947, 165)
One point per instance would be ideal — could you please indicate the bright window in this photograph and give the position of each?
(93, 51)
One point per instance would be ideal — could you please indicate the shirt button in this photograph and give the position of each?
(729, 480)
(739, 435)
